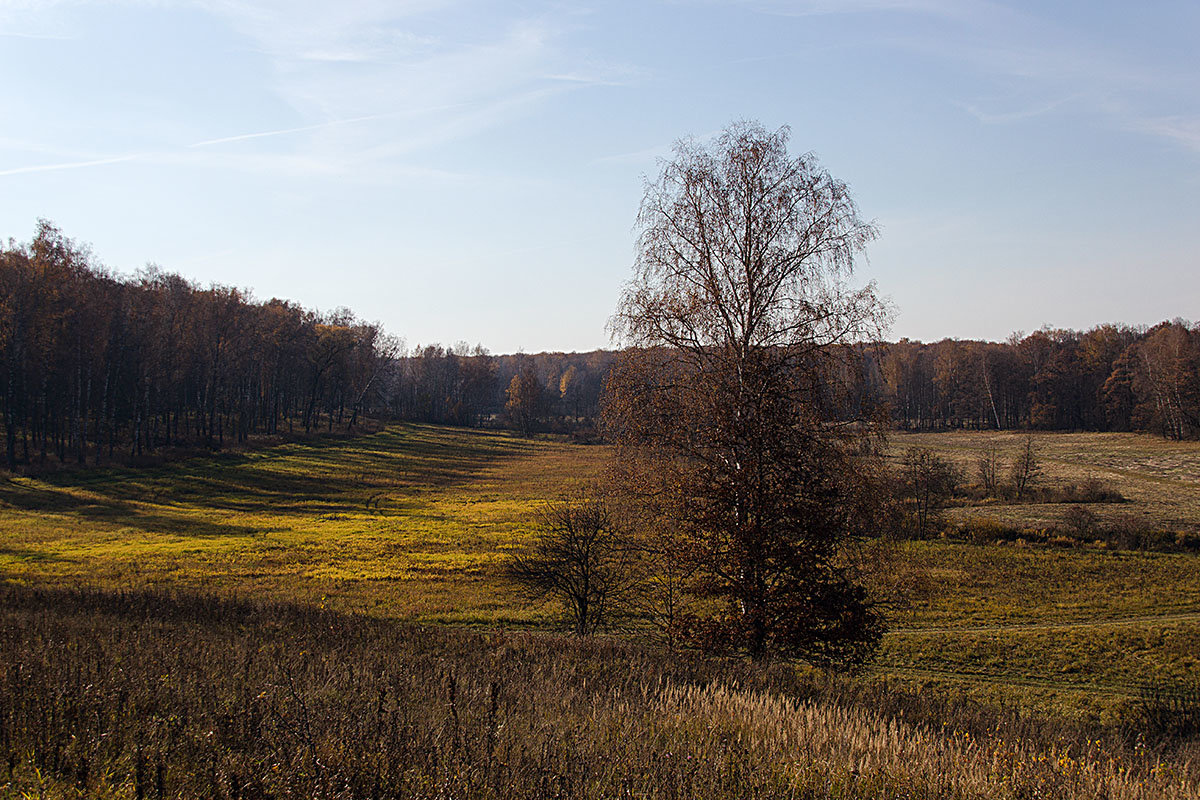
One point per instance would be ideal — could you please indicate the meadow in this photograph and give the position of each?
(409, 526)
(413, 522)
(1159, 477)
(1070, 627)
(409, 522)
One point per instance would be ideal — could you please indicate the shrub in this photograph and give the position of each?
(1082, 523)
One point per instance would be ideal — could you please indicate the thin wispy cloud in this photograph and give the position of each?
(333, 123)
(1184, 131)
(651, 154)
(648, 155)
(56, 37)
(1016, 115)
(585, 80)
(96, 162)
(1050, 69)
(954, 9)
(336, 64)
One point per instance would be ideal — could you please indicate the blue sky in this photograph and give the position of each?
(471, 171)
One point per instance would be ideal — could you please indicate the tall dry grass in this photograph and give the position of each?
(149, 695)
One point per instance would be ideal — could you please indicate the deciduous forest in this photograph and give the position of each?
(96, 366)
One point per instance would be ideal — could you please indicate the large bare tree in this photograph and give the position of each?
(737, 323)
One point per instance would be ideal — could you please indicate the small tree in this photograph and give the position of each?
(1026, 468)
(929, 481)
(988, 468)
(582, 557)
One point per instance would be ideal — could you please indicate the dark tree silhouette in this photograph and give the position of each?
(581, 557)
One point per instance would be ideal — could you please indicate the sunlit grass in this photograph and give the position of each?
(409, 522)
(1160, 477)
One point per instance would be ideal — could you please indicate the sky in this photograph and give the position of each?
(471, 171)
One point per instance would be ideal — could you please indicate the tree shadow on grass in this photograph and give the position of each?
(310, 478)
(114, 513)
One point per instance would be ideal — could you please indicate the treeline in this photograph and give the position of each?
(96, 366)
(464, 385)
(1109, 378)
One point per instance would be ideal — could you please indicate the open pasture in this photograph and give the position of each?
(406, 523)
(412, 522)
(1160, 478)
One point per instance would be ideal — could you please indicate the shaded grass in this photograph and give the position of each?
(969, 585)
(1074, 633)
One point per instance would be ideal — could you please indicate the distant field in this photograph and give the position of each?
(412, 522)
(1079, 630)
(1161, 478)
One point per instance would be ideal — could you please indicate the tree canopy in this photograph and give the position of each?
(737, 317)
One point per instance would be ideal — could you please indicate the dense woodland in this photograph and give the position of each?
(95, 366)
(1109, 378)
(94, 363)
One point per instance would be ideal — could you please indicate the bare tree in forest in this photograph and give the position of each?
(735, 320)
(91, 362)
(1026, 467)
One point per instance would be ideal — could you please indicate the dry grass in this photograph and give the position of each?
(157, 696)
(1077, 630)
(411, 523)
(1160, 477)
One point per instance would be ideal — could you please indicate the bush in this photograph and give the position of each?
(1082, 523)
(582, 556)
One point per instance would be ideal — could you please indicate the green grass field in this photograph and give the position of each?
(1078, 630)
(412, 522)
(407, 523)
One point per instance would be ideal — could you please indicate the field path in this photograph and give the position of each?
(1022, 627)
(1010, 680)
